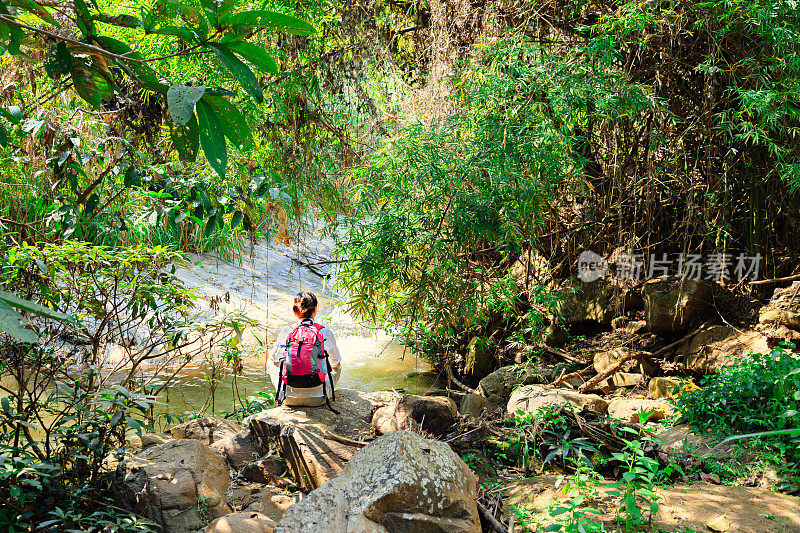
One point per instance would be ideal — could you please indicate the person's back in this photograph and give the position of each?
(305, 362)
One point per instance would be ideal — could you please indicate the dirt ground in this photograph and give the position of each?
(681, 507)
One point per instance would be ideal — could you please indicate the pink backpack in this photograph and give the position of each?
(305, 362)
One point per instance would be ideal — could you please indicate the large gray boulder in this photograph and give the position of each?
(498, 386)
(206, 429)
(315, 441)
(170, 482)
(399, 482)
(434, 414)
(671, 305)
(531, 398)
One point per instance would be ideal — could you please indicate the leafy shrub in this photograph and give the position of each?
(760, 394)
(66, 409)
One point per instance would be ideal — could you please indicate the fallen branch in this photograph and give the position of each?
(579, 374)
(616, 367)
(793, 277)
(489, 517)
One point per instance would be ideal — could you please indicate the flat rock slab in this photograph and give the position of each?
(314, 441)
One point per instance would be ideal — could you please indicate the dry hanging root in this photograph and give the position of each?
(283, 234)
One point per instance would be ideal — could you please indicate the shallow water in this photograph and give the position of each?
(262, 288)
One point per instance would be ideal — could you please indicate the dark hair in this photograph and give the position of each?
(305, 303)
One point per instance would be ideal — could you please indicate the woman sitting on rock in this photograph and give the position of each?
(305, 363)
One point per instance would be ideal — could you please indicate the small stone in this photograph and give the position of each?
(152, 439)
(555, 335)
(636, 326)
(604, 361)
(620, 379)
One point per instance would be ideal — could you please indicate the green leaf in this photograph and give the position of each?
(59, 61)
(142, 73)
(212, 138)
(132, 177)
(3, 136)
(181, 100)
(236, 220)
(186, 138)
(233, 123)
(85, 83)
(13, 114)
(84, 19)
(239, 70)
(16, 35)
(36, 9)
(11, 323)
(269, 19)
(255, 55)
(182, 32)
(211, 225)
(26, 305)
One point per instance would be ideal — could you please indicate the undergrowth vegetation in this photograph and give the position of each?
(760, 398)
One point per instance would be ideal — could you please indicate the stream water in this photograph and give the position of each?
(262, 287)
